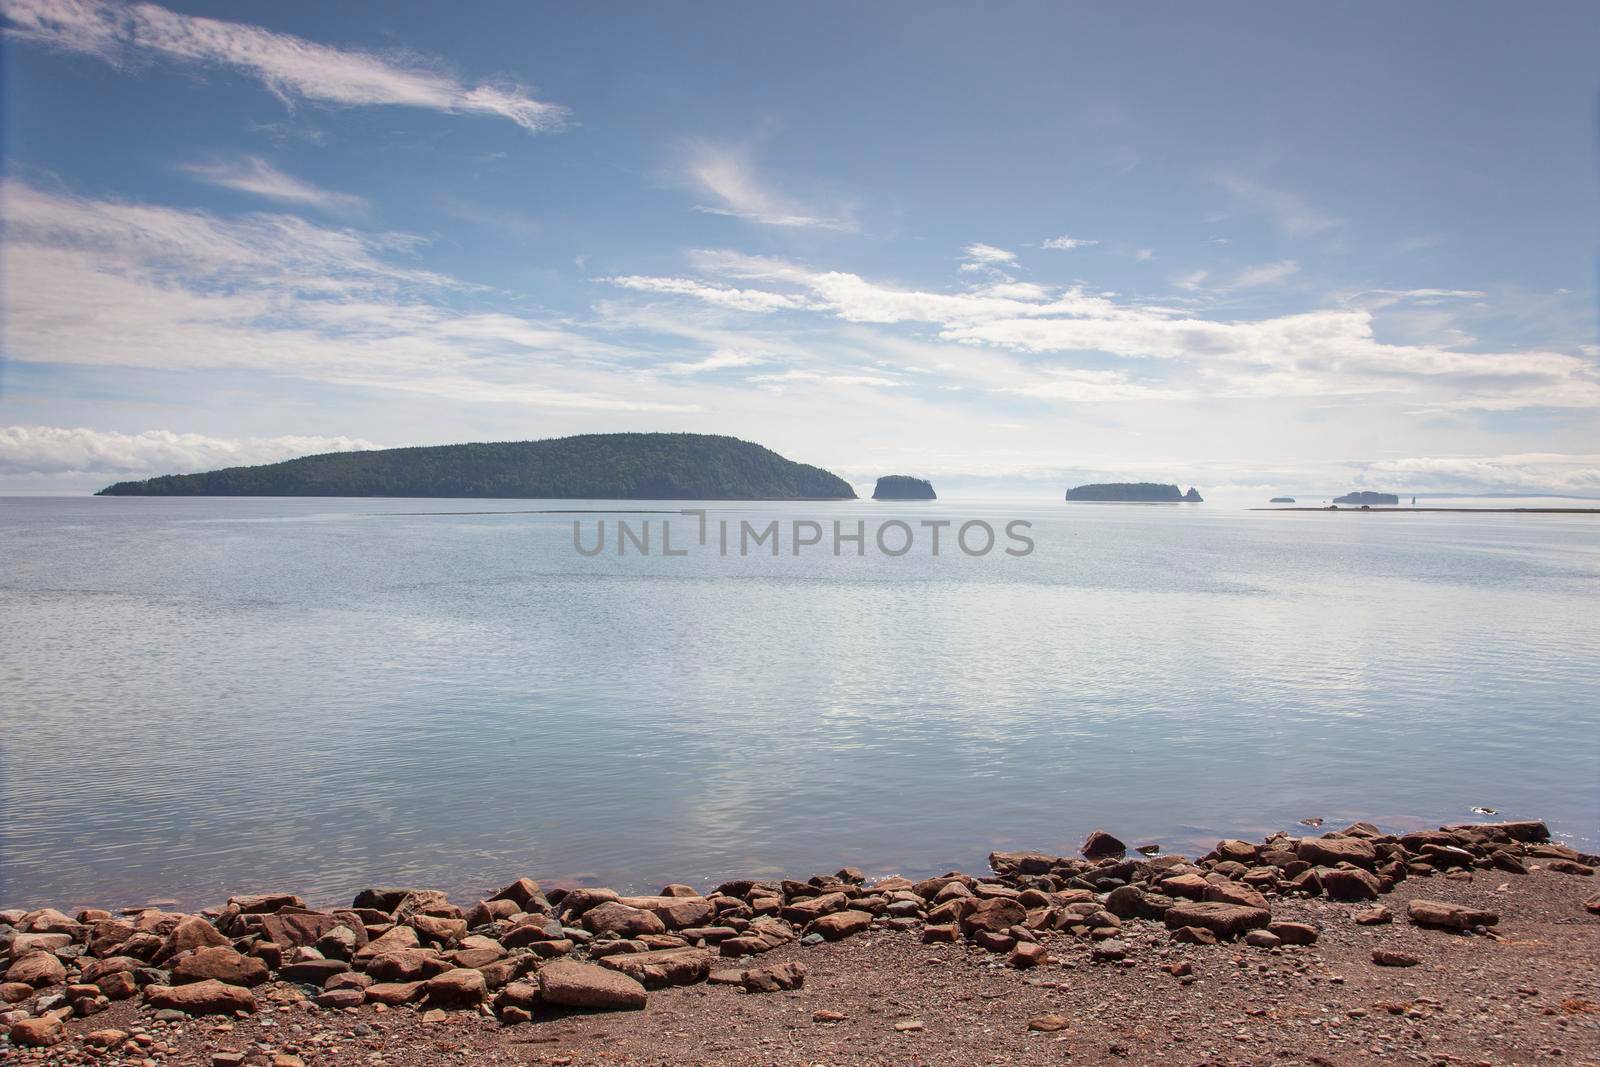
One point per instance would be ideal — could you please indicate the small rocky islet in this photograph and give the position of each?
(527, 954)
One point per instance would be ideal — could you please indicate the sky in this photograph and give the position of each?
(1012, 247)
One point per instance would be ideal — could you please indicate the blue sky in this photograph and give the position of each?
(1246, 247)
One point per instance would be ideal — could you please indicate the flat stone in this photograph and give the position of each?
(1223, 920)
(460, 988)
(614, 917)
(1388, 958)
(221, 963)
(1347, 883)
(776, 978)
(340, 998)
(209, 997)
(1332, 851)
(1447, 916)
(841, 924)
(394, 992)
(1293, 933)
(585, 985)
(1049, 1024)
(38, 1033)
(653, 970)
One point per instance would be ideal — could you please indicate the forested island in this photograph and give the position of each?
(903, 487)
(1362, 496)
(1281, 500)
(1143, 492)
(612, 466)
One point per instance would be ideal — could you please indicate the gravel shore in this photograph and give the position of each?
(1474, 944)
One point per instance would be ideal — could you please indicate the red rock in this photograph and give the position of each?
(1237, 851)
(222, 964)
(341, 998)
(405, 965)
(260, 903)
(104, 937)
(37, 969)
(209, 997)
(1347, 883)
(1028, 954)
(996, 914)
(675, 913)
(189, 933)
(1234, 893)
(1224, 920)
(38, 1033)
(439, 930)
(1388, 958)
(15, 992)
(614, 917)
(1448, 916)
(1293, 933)
(936, 934)
(803, 911)
(1332, 851)
(292, 928)
(525, 894)
(653, 970)
(1049, 1024)
(841, 924)
(312, 972)
(580, 901)
(1189, 885)
(119, 985)
(585, 985)
(776, 978)
(460, 988)
(1099, 845)
(524, 995)
(105, 1038)
(394, 992)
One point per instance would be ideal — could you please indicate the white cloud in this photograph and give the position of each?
(290, 67)
(1192, 280)
(722, 359)
(1328, 352)
(1265, 274)
(1290, 212)
(792, 377)
(737, 299)
(1531, 472)
(255, 175)
(50, 450)
(729, 178)
(1067, 244)
(106, 283)
(981, 255)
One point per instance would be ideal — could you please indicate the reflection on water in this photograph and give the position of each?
(203, 696)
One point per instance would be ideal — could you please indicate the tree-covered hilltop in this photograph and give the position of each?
(903, 487)
(1368, 497)
(1144, 492)
(612, 466)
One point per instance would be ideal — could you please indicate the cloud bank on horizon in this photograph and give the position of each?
(306, 236)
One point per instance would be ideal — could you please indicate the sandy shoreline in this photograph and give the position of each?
(1468, 944)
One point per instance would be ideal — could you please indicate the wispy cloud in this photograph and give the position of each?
(722, 359)
(105, 283)
(290, 67)
(1289, 211)
(987, 259)
(48, 450)
(1067, 244)
(1265, 274)
(737, 299)
(252, 174)
(729, 178)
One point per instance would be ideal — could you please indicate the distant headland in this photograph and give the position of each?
(1362, 496)
(1281, 500)
(903, 487)
(1143, 492)
(612, 466)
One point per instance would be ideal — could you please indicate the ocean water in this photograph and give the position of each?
(205, 696)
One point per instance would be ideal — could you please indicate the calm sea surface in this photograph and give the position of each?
(214, 695)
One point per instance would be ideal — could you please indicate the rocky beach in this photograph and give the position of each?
(1469, 944)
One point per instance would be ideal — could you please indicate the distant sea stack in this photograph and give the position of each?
(1365, 497)
(903, 487)
(611, 466)
(1142, 492)
(1281, 500)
